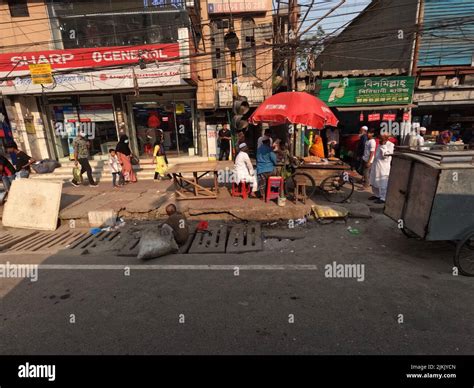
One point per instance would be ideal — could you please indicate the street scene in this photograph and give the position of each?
(246, 178)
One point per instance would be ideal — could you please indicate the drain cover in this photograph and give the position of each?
(44, 241)
(245, 238)
(212, 240)
(102, 241)
(8, 239)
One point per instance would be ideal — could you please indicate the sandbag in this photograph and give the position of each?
(156, 243)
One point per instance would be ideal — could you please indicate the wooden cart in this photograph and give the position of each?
(332, 179)
(431, 196)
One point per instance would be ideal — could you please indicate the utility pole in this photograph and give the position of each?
(292, 28)
(232, 43)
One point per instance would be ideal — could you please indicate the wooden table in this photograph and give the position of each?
(188, 187)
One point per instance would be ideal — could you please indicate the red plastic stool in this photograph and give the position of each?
(274, 187)
(240, 190)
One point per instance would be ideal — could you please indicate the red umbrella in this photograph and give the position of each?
(295, 108)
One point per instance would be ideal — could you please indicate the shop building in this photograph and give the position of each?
(444, 95)
(252, 23)
(118, 68)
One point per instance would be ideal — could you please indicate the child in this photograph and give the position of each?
(160, 160)
(115, 168)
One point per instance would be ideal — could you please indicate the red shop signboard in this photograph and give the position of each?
(89, 57)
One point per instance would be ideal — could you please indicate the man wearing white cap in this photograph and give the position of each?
(243, 169)
(361, 148)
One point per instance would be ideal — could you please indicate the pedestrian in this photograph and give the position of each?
(124, 155)
(380, 170)
(7, 172)
(23, 161)
(178, 223)
(115, 168)
(225, 138)
(363, 138)
(161, 162)
(243, 169)
(81, 157)
(368, 156)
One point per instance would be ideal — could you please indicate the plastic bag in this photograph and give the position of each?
(156, 243)
(76, 174)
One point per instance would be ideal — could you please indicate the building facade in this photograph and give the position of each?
(252, 22)
(119, 67)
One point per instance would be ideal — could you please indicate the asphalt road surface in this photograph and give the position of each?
(280, 301)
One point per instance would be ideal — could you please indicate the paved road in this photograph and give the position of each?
(204, 308)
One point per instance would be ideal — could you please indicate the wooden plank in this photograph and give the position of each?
(193, 167)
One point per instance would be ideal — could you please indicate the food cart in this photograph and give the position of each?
(330, 176)
(431, 196)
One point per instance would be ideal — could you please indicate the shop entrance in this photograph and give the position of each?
(171, 121)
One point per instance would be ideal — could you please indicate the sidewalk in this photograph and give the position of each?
(147, 200)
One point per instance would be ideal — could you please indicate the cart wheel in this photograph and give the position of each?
(290, 184)
(337, 188)
(464, 258)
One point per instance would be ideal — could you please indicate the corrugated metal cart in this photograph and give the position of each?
(431, 196)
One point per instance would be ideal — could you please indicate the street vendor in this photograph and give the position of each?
(317, 149)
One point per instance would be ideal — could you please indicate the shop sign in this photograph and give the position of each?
(389, 117)
(342, 92)
(374, 117)
(238, 6)
(41, 74)
(18, 63)
(406, 116)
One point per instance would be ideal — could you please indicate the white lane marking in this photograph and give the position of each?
(212, 267)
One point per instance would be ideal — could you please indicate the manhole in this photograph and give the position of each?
(245, 238)
(8, 239)
(101, 241)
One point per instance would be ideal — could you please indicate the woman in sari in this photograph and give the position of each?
(160, 160)
(124, 155)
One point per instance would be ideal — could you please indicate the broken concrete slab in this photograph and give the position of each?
(357, 210)
(102, 218)
(33, 204)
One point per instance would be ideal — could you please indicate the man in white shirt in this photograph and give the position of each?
(243, 169)
(368, 155)
(381, 169)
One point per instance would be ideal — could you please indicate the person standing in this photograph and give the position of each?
(225, 138)
(333, 141)
(23, 161)
(363, 138)
(81, 156)
(317, 149)
(161, 161)
(368, 157)
(380, 170)
(124, 155)
(243, 169)
(115, 168)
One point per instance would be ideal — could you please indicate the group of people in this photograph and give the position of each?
(20, 169)
(269, 154)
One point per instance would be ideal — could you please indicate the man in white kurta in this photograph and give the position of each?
(243, 168)
(380, 170)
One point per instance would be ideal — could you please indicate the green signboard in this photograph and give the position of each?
(367, 91)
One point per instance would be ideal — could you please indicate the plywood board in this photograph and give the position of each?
(33, 204)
